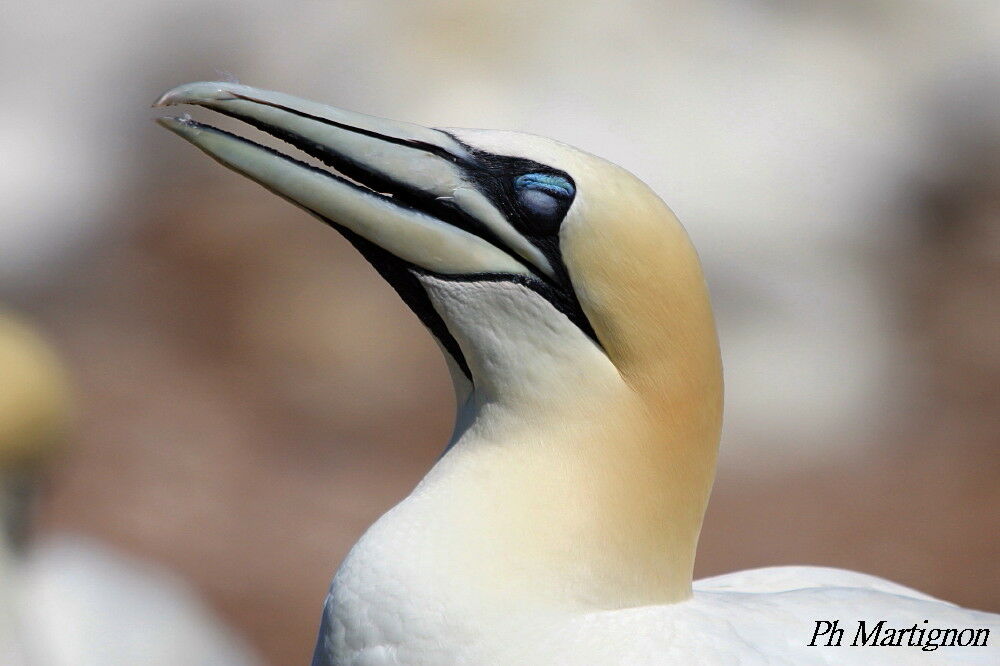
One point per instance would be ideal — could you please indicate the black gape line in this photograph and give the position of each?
(376, 183)
(493, 175)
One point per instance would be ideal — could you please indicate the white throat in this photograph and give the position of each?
(527, 359)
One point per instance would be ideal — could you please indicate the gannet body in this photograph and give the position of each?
(560, 524)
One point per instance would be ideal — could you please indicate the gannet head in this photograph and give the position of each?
(34, 396)
(566, 296)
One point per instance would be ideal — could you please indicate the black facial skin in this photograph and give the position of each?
(495, 177)
(535, 214)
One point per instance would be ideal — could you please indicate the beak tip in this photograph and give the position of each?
(196, 93)
(162, 101)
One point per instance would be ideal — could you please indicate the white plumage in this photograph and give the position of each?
(84, 604)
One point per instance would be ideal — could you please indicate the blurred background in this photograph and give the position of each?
(248, 396)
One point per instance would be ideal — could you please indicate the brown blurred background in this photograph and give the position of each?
(250, 396)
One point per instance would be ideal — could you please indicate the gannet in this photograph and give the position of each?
(560, 524)
(66, 599)
(33, 416)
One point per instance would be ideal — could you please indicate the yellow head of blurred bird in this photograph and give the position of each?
(34, 396)
(561, 523)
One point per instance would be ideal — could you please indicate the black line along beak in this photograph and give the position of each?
(399, 186)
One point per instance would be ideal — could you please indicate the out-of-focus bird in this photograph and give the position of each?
(66, 600)
(33, 417)
(560, 525)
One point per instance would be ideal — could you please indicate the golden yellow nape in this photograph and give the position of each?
(640, 283)
(34, 395)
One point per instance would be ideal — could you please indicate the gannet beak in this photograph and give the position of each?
(407, 189)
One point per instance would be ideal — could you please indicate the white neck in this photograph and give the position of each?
(563, 490)
(549, 489)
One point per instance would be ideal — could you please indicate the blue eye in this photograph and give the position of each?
(545, 182)
(543, 199)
